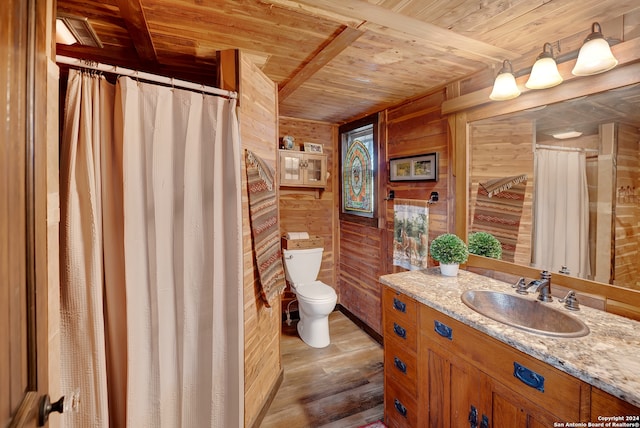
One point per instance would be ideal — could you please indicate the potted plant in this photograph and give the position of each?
(485, 244)
(450, 251)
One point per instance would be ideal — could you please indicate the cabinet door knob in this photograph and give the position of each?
(473, 417)
(485, 422)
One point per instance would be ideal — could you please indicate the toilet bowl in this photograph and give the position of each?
(316, 300)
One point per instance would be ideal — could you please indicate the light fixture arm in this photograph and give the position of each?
(595, 34)
(506, 67)
(546, 53)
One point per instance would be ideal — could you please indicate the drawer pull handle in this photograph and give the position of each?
(443, 329)
(399, 305)
(399, 407)
(528, 377)
(400, 365)
(399, 331)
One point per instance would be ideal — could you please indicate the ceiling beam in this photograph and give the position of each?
(133, 16)
(393, 22)
(319, 60)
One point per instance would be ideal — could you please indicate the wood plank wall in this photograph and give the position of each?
(257, 115)
(413, 128)
(312, 210)
(503, 148)
(627, 211)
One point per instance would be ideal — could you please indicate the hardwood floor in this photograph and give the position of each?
(339, 386)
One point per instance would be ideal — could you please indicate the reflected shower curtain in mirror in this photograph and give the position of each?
(561, 236)
(168, 204)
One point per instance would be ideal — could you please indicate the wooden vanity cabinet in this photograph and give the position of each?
(401, 396)
(604, 404)
(302, 169)
(471, 376)
(463, 374)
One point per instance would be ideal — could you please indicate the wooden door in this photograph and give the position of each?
(509, 409)
(23, 296)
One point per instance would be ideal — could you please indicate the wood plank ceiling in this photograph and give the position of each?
(336, 60)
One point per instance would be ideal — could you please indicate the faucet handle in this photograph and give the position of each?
(571, 301)
(521, 286)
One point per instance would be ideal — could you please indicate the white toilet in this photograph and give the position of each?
(316, 299)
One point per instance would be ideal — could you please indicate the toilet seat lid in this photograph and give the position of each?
(316, 290)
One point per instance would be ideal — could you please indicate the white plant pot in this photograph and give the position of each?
(449, 270)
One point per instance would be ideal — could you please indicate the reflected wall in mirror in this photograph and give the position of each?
(559, 185)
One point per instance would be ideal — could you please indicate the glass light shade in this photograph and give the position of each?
(544, 74)
(505, 87)
(595, 55)
(64, 36)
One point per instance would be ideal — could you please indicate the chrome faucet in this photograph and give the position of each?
(542, 286)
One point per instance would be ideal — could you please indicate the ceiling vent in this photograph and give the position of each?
(80, 28)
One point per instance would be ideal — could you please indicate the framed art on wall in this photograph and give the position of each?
(414, 168)
(358, 154)
(313, 147)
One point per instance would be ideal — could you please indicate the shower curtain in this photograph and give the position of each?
(561, 235)
(151, 233)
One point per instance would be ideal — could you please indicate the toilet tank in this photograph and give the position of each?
(302, 266)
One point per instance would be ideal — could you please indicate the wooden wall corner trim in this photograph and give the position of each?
(270, 397)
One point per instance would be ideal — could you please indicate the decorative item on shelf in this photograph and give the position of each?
(450, 251)
(312, 147)
(595, 55)
(485, 244)
(544, 73)
(505, 86)
(288, 142)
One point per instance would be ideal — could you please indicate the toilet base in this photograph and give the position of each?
(314, 332)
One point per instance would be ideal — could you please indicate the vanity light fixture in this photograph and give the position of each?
(544, 73)
(595, 55)
(505, 87)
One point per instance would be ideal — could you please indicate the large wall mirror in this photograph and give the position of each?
(559, 185)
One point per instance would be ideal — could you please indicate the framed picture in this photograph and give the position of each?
(313, 147)
(414, 168)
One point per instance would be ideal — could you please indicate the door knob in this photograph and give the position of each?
(47, 407)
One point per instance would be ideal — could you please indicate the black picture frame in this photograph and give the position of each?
(414, 168)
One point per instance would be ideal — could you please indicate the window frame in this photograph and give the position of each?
(368, 219)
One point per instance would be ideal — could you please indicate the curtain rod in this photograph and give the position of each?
(567, 149)
(93, 65)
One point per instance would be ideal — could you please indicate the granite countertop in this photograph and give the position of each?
(606, 358)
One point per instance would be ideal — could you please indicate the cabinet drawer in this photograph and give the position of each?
(400, 365)
(400, 307)
(603, 404)
(438, 327)
(535, 380)
(405, 335)
(400, 409)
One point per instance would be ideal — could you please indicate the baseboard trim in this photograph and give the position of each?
(361, 324)
(272, 395)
